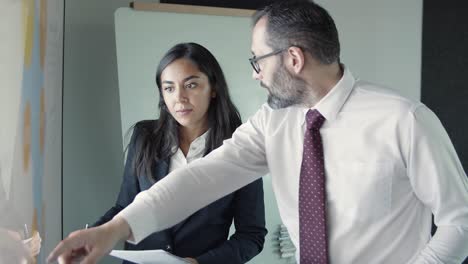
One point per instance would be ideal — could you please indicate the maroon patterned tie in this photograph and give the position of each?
(312, 218)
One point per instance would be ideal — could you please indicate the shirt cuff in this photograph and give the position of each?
(139, 221)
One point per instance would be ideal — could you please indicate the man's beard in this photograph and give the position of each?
(285, 90)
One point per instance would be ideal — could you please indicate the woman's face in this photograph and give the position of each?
(187, 93)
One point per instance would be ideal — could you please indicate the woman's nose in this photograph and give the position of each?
(181, 95)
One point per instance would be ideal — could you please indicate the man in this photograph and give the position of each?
(357, 169)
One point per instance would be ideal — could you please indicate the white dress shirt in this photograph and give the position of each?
(389, 164)
(196, 151)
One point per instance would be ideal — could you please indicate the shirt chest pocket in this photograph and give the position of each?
(363, 191)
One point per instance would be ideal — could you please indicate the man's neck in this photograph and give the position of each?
(322, 80)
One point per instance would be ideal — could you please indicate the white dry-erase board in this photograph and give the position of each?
(380, 42)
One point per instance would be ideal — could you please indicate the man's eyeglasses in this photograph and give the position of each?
(254, 60)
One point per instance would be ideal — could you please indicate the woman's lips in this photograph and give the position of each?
(184, 112)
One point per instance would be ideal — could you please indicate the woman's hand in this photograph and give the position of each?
(89, 245)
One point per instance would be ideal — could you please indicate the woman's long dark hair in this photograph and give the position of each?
(158, 143)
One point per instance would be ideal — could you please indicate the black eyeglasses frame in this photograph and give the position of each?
(254, 60)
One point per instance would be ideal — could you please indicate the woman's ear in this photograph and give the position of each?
(213, 94)
(296, 59)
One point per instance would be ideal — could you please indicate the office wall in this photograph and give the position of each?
(92, 146)
(445, 68)
(444, 74)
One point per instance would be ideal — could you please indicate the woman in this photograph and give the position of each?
(196, 115)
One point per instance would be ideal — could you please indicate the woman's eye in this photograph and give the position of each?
(191, 85)
(168, 89)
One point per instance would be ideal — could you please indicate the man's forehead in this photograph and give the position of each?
(258, 34)
(260, 26)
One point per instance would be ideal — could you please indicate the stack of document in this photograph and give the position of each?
(148, 256)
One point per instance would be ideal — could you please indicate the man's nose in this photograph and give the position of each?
(256, 76)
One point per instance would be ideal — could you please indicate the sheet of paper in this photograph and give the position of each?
(148, 256)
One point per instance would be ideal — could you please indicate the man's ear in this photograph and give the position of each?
(295, 59)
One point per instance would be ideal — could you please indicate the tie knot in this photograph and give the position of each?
(314, 119)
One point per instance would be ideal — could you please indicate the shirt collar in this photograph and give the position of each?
(198, 143)
(330, 105)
